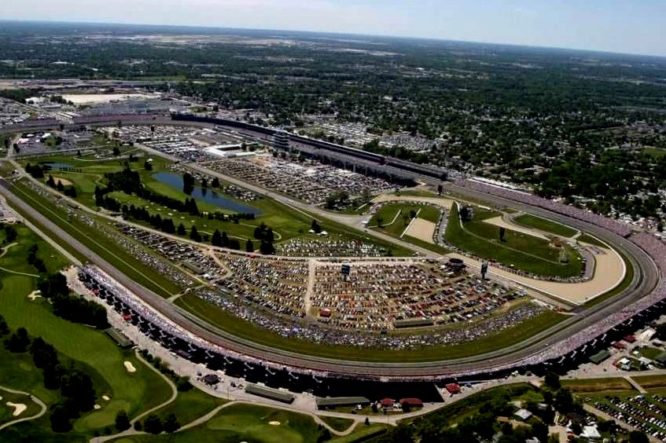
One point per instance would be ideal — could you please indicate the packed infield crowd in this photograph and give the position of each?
(309, 181)
(328, 247)
(386, 295)
(322, 334)
(277, 284)
(189, 256)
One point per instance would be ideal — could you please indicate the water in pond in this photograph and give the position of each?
(209, 196)
(58, 166)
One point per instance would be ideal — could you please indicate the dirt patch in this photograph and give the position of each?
(421, 229)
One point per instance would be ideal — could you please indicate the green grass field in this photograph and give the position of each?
(587, 238)
(190, 405)
(241, 328)
(337, 423)
(101, 244)
(588, 386)
(241, 422)
(286, 222)
(78, 345)
(393, 218)
(521, 251)
(545, 225)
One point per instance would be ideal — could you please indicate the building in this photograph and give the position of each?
(281, 141)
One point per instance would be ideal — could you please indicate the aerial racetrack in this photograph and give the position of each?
(520, 328)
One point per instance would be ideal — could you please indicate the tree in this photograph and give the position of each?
(148, 165)
(122, 421)
(315, 227)
(18, 342)
(188, 183)
(266, 247)
(10, 234)
(661, 331)
(249, 246)
(638, 437)
(78, 386)
(60, 418)
(4, 328)
(540, 431)
(216, 239)
(153, 424)
(43, 354)
(194, 234)
(116, 151)
(53, 285)
(564, 401)
(171, 424)
(552, 381)
(502, 234)
(181, 230)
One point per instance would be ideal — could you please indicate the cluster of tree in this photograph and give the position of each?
(129, 182)
(265, 235)
(69, 191)
(222, 240)
(35, 261)
(337, 199)
(188, 183)
(153, 424)
(36, 171)
(72, 308)
(75, 386)
(234, 218)
(10, 233)
(138, 213)
(19, 95)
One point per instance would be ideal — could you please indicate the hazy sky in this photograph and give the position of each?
(632, 26)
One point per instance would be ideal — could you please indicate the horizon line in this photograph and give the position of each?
(407, 37)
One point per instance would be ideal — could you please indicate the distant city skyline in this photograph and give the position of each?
(621, 26)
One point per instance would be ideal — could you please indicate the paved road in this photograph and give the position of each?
(645, 279)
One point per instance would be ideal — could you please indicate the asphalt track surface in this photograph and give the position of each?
(646, 277)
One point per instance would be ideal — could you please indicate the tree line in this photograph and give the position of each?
(75, 386)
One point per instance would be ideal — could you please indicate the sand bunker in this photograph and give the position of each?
(64, 181)
(19, 408)
(274, 423)
(97, 407)
(34, 295)
(421, 229)
(130, 367)
(106, 398)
